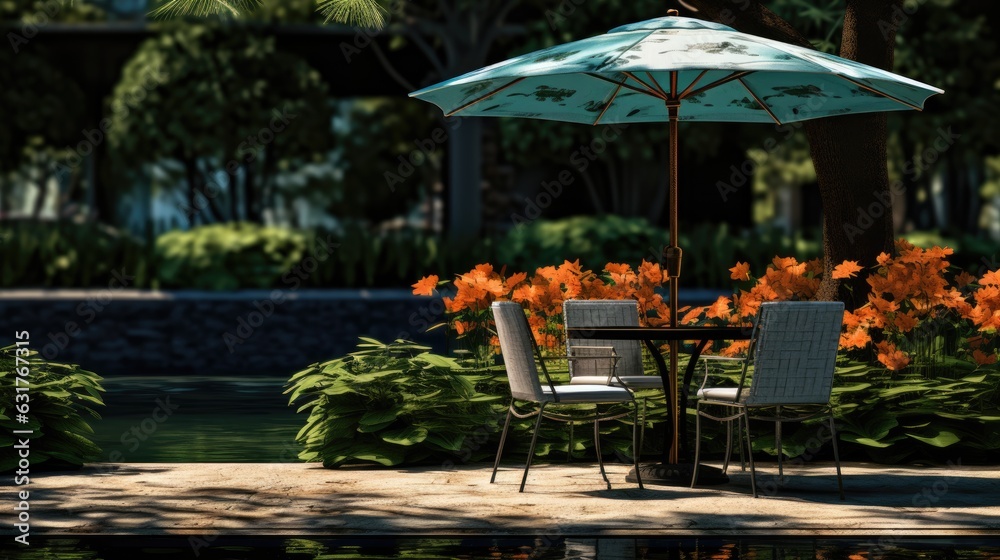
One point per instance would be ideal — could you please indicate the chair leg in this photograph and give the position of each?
(836, 455)
(569, 450)
(531, 451)
(739, 443)
(729, 446)
(636, 440)
(600, 456)
(697, 445)
(642, 429)
(503, 438)
(753, 471)
(777, 439)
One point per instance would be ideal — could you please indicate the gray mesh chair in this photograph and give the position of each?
(519, 351)
(606, 313)
(793, 350)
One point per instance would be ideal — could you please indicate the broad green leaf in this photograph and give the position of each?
(864, 441)
(943, 438)
(407, 436)
(375, 420)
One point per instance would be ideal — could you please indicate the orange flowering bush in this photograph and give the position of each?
(914, 300)
(911, 303)
(542, 295)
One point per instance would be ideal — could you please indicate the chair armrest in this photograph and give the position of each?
(579, 353)
(716, 358)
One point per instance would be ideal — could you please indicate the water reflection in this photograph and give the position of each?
(513, 548)
(188, 418)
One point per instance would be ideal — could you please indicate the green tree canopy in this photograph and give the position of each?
(222, 101)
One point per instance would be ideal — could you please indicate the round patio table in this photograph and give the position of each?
(675, 467)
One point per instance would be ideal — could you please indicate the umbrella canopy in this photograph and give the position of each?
(674, 69)
(714, 72)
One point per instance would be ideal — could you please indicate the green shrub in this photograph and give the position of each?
(392, 404)
(67, 254)
(228, 256)
(60, 396)
(950, 410)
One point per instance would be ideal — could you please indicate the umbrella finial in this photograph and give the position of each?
(672, 12)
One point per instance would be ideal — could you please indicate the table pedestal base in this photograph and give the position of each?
(678, 475)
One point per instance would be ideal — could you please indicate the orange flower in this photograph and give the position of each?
(856, 338)
(991, 278)
(425, 286)
(983, 358)
(737, 348)
(515, 279)
(740, 272)
(963, 279)
(847, 269)
(814, 267)
(891, 357)
(462, 327)
(719, 309)
(651, 273)
(692, 315)
(905, 322)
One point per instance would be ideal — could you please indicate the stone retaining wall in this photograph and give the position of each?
(128, 332)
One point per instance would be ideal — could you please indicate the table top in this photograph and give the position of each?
(661, 333)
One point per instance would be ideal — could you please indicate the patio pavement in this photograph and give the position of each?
(560, 499)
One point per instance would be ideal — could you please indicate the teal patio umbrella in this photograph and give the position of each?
(675, 69)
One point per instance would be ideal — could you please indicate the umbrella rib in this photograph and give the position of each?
(719, 82)
(692, 84)
(760, 102)
(608, 104)
(483, 98)
(651, 91)
(882, 93)
(659, 88)
(622, 84)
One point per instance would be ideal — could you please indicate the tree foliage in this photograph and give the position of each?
(228, 104)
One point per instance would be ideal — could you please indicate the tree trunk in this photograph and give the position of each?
(191, 175)
(250, 194)
(465, 180)
(849, 154)
(43, 194)
(234, 208)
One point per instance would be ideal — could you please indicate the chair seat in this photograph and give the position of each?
(634, 381)
(722, 394)
(588, 394)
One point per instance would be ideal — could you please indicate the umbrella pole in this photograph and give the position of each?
(672, 263)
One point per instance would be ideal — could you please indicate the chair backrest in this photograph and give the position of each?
(518, 351)
(604, 313)
(795, 352)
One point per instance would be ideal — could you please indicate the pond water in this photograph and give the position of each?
(512, 548)
(188, 418)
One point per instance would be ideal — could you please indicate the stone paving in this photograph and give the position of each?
(560, 499)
